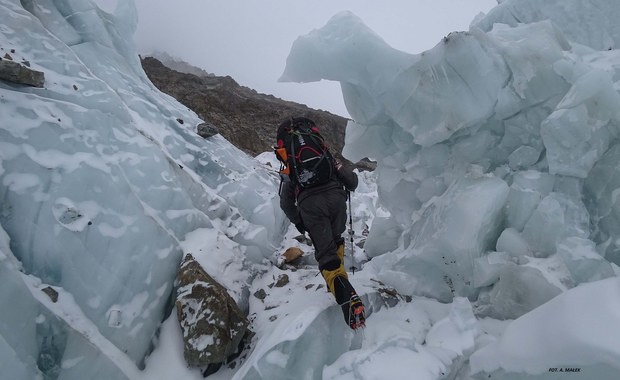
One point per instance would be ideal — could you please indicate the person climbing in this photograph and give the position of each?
(313, 195)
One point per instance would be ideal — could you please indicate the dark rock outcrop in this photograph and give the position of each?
(244, 117)
(212, 323)
(206, 130)
(51, 293)
(15, 72)
(179, 65)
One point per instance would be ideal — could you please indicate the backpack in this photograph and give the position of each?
(303, 154)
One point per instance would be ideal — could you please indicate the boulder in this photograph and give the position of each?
(206, 130)
(12, 71)
(292, 254)
(212, 323)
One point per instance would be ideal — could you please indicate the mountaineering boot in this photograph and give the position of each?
(340, 252)
(350, 302)
(338, 284)
(330, 275)
(354, 310)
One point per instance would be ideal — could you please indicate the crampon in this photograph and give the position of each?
(354, 309)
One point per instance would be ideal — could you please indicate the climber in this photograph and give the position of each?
(313, 195)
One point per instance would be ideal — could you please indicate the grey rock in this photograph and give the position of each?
(260, 294)
(17, 73)
(212, 323)
(206, 130)
(282, 280)
(51, 293)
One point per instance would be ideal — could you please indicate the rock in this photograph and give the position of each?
(52, 294)
(14, 72)
(366, 164)
(243, 116)
(212, 323)
(302, 239)
(292, 254)
(260, 294)
(206, 130)
(282, 280)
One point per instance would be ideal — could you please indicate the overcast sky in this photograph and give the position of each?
(250, 39)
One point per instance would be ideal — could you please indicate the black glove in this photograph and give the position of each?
(301, 228)
(347, 177)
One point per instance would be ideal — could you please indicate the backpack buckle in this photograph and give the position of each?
(281, 154)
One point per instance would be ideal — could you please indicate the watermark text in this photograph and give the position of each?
(565, 369)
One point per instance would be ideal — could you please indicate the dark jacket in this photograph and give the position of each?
(291, 196)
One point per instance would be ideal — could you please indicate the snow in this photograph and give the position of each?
(492, 218)
(560, 333)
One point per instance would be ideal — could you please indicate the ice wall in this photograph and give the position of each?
(591, 23)
(101, 178)
(496, 149)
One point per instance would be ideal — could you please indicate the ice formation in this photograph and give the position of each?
(497, 155)
(497, 186)
(490, 134)
(102, 178)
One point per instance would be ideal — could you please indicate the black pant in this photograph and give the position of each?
(324, 215)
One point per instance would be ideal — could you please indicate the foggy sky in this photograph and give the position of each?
(250, 39)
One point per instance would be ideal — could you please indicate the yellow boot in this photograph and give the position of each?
(340, 252)
(330, 275)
